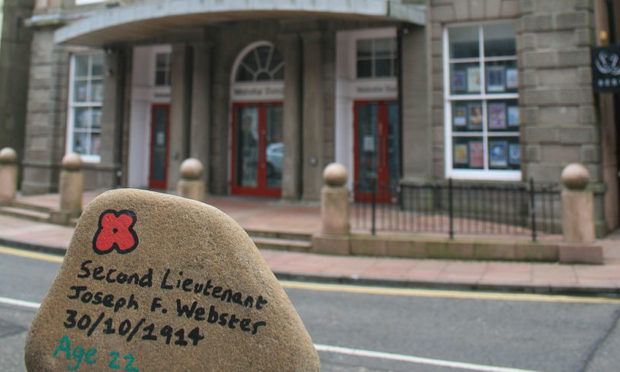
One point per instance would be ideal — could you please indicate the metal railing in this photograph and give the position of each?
(459, 208)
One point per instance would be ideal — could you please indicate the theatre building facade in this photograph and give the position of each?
(266, 93)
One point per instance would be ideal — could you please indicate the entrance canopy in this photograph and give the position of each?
(152, 19)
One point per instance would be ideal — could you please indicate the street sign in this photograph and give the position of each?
(606, 69)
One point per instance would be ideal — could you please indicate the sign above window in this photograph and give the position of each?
(606, 69)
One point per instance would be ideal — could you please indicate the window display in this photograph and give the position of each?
(482, 102)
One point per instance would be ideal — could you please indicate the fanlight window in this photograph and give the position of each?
(263, 63)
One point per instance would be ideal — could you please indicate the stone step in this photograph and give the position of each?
(28, 214)
(277, 234)
(31, 207)
(282, 244)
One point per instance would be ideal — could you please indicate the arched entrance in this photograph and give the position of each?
(257, 127)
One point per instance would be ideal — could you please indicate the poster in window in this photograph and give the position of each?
(513, 116)
(497, 153)
(497, 115)
(97, 93)
(512, 78)
(459, 116)
(476, 154)
(514, 154)
(369, 143)
(473, 79)
(96, 141)
(458, 81)
(96, 118)
(460, 154)
(475, 116)
(495, 78)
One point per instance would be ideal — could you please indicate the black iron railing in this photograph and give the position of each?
(452, 207)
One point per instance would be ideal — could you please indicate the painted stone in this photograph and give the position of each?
(154, 282)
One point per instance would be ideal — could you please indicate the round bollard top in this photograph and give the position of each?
(191, 169)
(335, 174)
(72, 162)
(575, 176)
(8, 156)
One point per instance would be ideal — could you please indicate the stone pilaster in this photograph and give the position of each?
(200, 120)
(179, 113)
(415, 105)
(109, 171)
(313, 119)
(291, 164)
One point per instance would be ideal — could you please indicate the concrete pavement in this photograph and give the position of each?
(449, 274)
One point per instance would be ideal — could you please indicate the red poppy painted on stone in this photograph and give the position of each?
(116, 232)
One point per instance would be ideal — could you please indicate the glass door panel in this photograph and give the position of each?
(247, 146)
(159, 147)
(392, 146)
(367, 146)
(274, 148)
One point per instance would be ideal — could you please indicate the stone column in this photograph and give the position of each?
(71, 190)
(577, 205)
(291, 164)
(179, 112)
(200, 120)
(417, 139)
(8, 175)
(110, 169)
(312, 162)
(334, 235)
(191, 185)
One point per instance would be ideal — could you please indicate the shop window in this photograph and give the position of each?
(162, 69)
(482, 102)
(376, 57)
(86, 97)
(263, 63)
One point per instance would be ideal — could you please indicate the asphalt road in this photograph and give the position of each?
(378, 329)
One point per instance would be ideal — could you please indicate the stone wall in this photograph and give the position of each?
(558, 119)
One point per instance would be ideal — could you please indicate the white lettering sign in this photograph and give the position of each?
(258, 92)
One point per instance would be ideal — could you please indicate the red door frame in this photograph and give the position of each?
(383, 162)
(156, 184)
(261, 189)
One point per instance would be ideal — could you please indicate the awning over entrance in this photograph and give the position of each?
(148, 20)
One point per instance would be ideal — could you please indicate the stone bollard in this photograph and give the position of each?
(335, 200)
(191, 185)
(577, 205)
(71, 188)
(8, 175)
(334, 235)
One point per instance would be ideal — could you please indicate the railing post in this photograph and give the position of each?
(451, 208)
(533, 208)
(373, 226)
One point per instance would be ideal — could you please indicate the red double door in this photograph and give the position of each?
(258, 149)
(376, 150)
